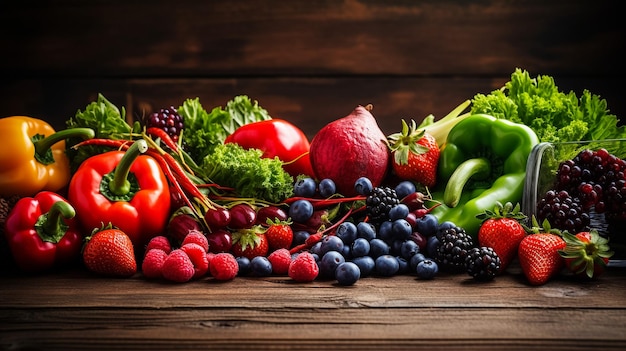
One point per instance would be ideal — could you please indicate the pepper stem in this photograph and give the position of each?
(120, 185)
(43, 145)
(50, 226)
(478, 168)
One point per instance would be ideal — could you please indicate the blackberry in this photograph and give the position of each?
(482, 263)
(454, 244)
(167, 119)
(380, 202)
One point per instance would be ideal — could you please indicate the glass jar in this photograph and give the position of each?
(541, 176)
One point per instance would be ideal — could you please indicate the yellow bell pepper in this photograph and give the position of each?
(32, 156)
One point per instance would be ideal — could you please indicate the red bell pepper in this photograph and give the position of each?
(123, 188)
(42, 233)
(276, 138)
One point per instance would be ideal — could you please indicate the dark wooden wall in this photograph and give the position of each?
(309, 62)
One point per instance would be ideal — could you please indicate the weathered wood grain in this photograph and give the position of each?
(77, 310)
(314, 38)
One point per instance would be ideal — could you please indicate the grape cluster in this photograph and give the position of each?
(592, 180)
(167, 119)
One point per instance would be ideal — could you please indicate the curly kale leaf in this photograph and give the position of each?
(251, 175)
(554, 115)
(107, 122)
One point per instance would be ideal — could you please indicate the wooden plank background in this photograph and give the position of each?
(309, 62)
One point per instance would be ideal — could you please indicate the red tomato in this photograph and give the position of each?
(276, 138)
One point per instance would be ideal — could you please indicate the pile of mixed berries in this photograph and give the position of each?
(386, 232)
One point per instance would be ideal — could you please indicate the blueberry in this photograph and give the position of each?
(431, 246)
(399, 211)
(403, 265)
(427, 269)
(427, 225)
(304, 187)
(244, 265)
(385, 231)
(300, 236)
(329, 263)
(360, 247)
(378, 247)
(346, 252)
(405, 188)
(365, 230)
(331, 243)
(327, 187)
(408, 249)
(415, 260)
(446, 225)
(316, 248)
(347, 273)
(401, 229)
(260, 266)
(300, 210)
(346, 231)
(363, 186)
(396, 247)
(386, 265)
(366, 265)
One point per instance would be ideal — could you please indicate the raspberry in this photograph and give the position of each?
(209, 257)
(224, 266)
(159, 242)
(303, 268)
(178, 267)
(198, 256)
(195, 236)
(280, 260)
(152, 265)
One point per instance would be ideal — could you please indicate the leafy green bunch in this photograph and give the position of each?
(555, 116)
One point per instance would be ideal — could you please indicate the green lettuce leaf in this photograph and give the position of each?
(204, 130)
(107, 122)
(554, 115)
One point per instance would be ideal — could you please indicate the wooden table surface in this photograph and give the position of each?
(76, 310)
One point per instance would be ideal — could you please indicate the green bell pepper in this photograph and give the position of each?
(482, 162)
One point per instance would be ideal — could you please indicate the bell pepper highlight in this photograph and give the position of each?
(33, 157)
(124, 188)
(42, 233)
(482, 162)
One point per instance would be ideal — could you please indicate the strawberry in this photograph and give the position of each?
(538, 254)
(109, 251)
(586, 253)
(279, 234)
(502, 230)
(415, 154)
(250, 242)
